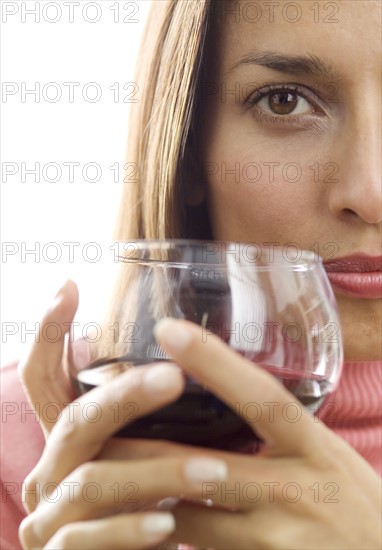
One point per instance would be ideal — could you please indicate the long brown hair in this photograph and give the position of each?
(162, 127)
(162, 150)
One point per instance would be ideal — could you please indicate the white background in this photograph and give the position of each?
(36, 213)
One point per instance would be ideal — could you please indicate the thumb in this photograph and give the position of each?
(41, 371)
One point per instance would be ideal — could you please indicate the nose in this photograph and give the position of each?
(357, 195)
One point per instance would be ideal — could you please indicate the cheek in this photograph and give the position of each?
(256, 191)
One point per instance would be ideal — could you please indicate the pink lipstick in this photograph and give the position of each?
(358, 275)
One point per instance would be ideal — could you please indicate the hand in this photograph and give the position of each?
(46, 384)
(305, 454)
(336, 496)
(61, 513)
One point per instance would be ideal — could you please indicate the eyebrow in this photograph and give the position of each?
(291, 64)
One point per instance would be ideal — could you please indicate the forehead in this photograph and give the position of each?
(341, 32)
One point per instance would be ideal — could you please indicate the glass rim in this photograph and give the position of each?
(307, 259)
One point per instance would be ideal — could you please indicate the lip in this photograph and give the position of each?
(359, 275)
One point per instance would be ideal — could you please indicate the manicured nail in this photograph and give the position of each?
(161, 378)
(172, 334)
(167, 503)
(206, 469)
(159, 523)
(57, 299)
(61, 289)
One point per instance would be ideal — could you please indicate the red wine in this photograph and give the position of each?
(198, 417)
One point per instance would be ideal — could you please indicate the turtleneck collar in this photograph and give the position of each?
(354, 410)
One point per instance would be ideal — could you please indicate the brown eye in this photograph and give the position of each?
(283, 103)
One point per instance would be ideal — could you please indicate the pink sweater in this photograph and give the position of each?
(354, 412)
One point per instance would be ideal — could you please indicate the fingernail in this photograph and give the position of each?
(167, 503)
(61, 289)
(206, 469)
(57, 299)
(158, 523)
(161, 378)
(172, 334)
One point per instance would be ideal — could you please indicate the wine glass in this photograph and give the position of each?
(274, 306)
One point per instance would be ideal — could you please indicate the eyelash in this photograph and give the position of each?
(280, 119)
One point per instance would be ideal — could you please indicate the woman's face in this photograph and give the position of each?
(301, 166)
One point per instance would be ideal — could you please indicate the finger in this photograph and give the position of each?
(241, 384)
(118, 532)
(204, 527)
(98, 488)
(42, 376)
(88, 423)
(134, 449)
